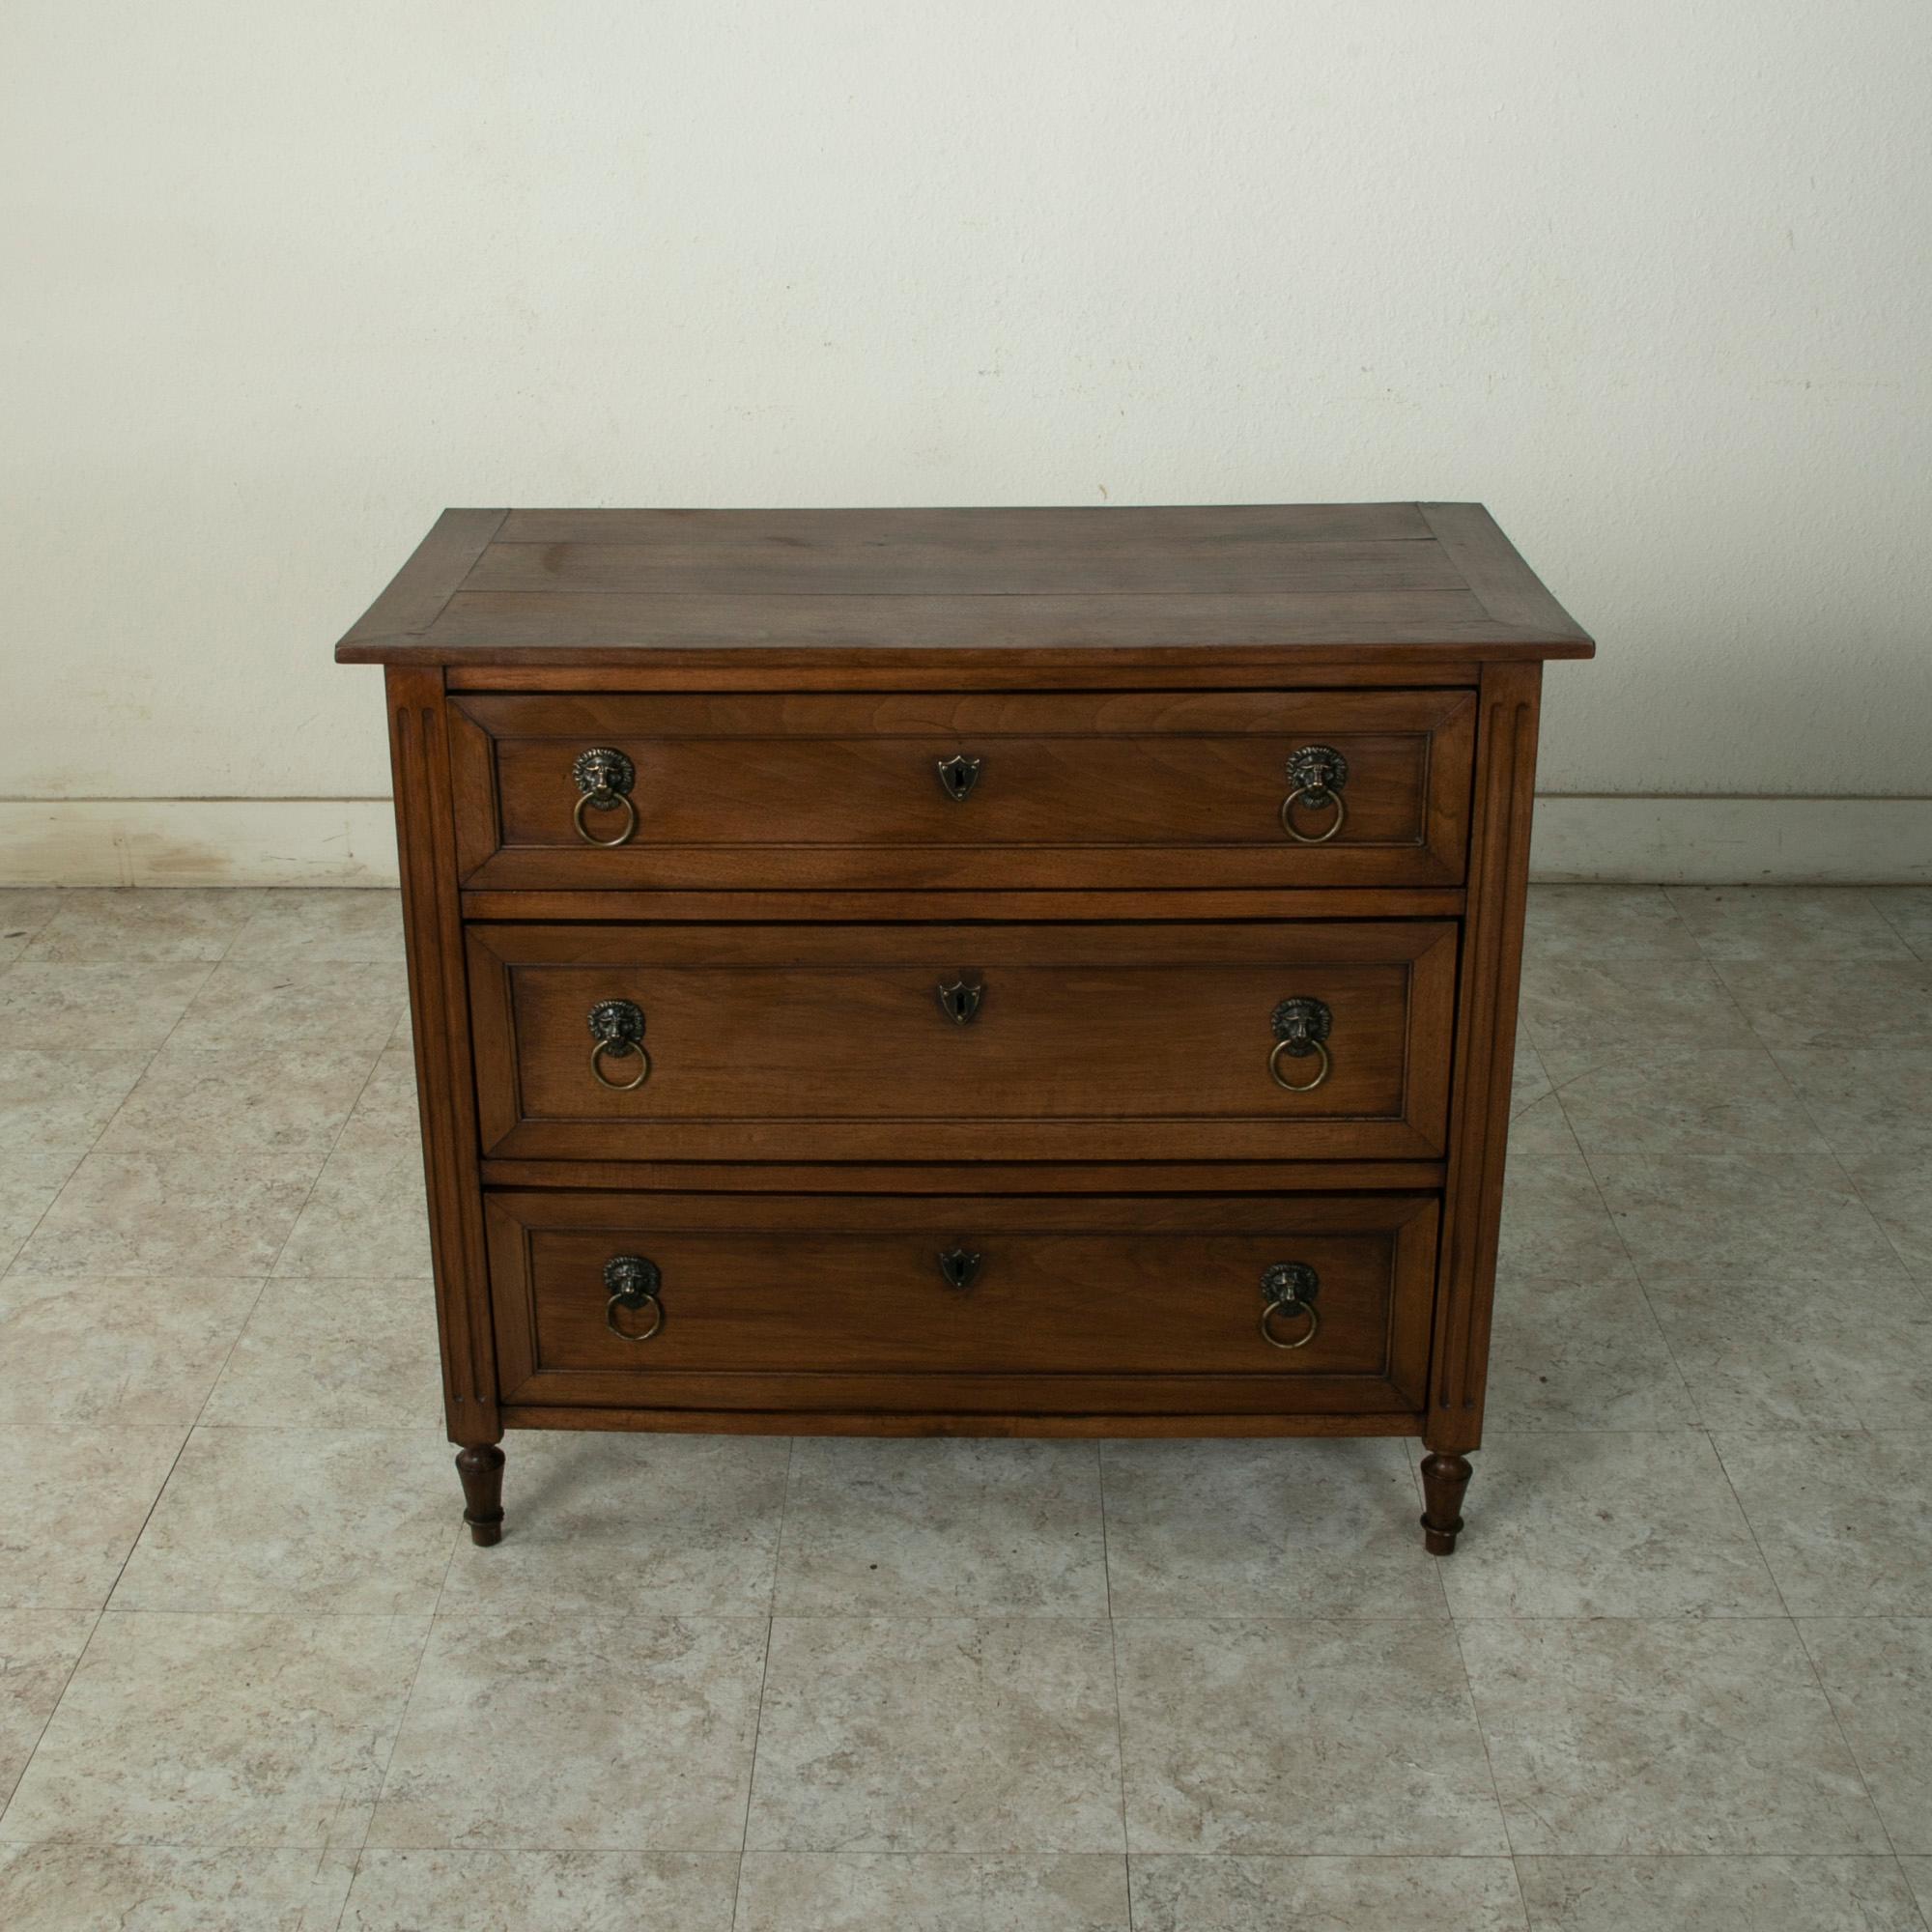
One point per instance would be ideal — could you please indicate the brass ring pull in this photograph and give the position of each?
(1300, 1026)
(1275, 1308)
(1289, 1288)
(617, 1025)
(656, 1307)
(1315, 773)
(1320, 795)
(1323, 1064)
(603, 777)
(633, 1281)
(607, 801)
(620, 1047)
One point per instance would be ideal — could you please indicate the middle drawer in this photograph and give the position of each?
(991, 1042)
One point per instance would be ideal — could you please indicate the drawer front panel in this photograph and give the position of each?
(1102, 1303)
(1121, 789)
(1088, 1042)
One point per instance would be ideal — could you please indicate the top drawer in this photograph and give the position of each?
(1138, 788)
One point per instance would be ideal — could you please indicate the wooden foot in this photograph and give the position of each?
(1444, 1478)
(481, 1468)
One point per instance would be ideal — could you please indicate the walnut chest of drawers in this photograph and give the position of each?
(1007, 972)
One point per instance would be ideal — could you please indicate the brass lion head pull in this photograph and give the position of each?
(1300, 1027)
(1316, 775)
(617, 1027)
(603, 778)
(633, 1282)
(1287, 1291)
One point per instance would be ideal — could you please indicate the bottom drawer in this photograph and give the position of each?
(963, 1303)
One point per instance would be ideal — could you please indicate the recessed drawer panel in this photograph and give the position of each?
(978, 1042)
(955, 1302)
(994, 790)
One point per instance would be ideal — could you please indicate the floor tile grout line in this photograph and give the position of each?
(1515, 1879)
(1758, 1543)
(1645, 1287)
(1716, 969)
(1366, 1619)
(1851, 1179)
(315, 1180)
(1921, 1905)
(1864, 893)
(967, 1858)
(188, 1434)
(1656, 1321)
(1910, 946)
(396, 1736)
(1106, 1545)
(1555, 1086)
(455, 1550)
(254, 913)
(26, 1763)
(59, 892)
(752, 1774)
(134, 1541)
(784, 1517)
(1898, 1254)
(1798, 1631)
(615, 1616)
(153, 1054)
(1844, 1174)
(188, 1437)
(147, 1066)
(228, 1355)
(1513, 1617)
(1482, 1734)
(315, 1879)
(1120, 1754)
(1772, 1042)
(764, 1676)
(1844, 1736)
(1114, 1659)
(100, 1612)
(1596, 1185)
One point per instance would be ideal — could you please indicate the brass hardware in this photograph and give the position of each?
(617, 1025)
(633, 1282)
(1289, 1289)
(603, 780)
(959, 1265)
(1300, 1026)
(959, 999)
(1316, 773)
(957, 776)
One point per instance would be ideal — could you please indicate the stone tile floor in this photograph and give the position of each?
(1680, 1674)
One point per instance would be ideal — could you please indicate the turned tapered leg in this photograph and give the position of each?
(481, 1468)
(1444, 1478)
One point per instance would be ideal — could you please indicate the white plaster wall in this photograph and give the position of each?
(283, 280)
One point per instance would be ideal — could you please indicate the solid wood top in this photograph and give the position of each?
(1408, 583)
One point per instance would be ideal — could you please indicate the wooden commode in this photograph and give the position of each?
(965, 972)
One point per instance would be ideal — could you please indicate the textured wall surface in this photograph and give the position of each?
(1652, 281)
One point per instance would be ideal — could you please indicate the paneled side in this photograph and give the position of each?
(1485, 1049)
(439, 1016)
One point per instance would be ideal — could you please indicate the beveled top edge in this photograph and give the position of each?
(1314, 588)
